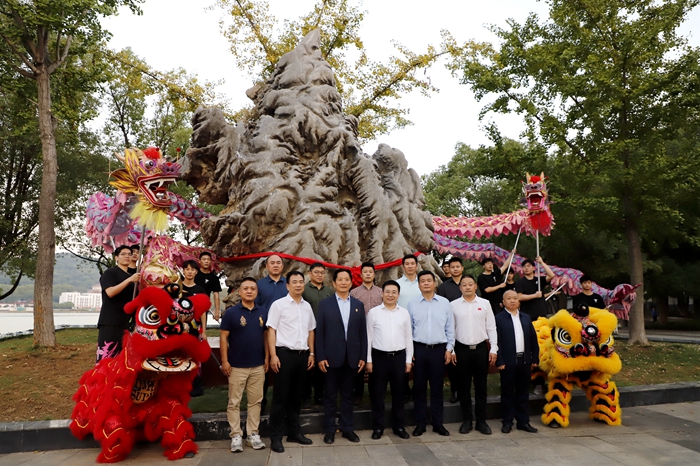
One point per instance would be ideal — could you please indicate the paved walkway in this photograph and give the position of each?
(652, 435)
(668, 336)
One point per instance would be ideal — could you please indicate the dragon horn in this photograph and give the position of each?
(527, 177)
(119, 157)
(542, 176)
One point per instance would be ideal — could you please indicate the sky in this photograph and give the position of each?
(186, 33)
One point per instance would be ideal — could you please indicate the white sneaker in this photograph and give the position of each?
(538, 390)
(254, 441)
(236, 443)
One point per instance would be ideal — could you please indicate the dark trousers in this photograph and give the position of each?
(359, 390)
(286, 393)
(109, 341)
(472, 364)
(339, 379)
(387, 368)
(454, 378)
(315, 379)
(429, 367)
(515, 384)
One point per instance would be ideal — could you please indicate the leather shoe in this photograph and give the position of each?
(352, 436)
(506, 428)
(277, 446)
(418, 431)
(527, 428)
(483, 428)
(376, 434)
(401, 433)
(466, 427)
(329, 438)
(440, 430)
(300, 439)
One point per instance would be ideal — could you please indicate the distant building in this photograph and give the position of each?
(5, 307)
(90, 300)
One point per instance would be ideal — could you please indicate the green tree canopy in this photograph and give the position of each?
(605, 86)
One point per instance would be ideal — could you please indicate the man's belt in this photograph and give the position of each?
(425, 345)
(519, 355)
(390, 353)
(473, 347)
(290, 350)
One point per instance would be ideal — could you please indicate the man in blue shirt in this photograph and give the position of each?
(274, 286)
(433, 327)
(244, 360)
(270, 289)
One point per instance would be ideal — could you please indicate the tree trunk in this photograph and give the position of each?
(44, 330)
(634, 246)
(662, 309)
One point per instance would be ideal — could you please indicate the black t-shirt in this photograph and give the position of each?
(131, 270)
(535, 307)
(208, 281)
(112, 311)
(246, 341)
(192, 290)
(487, 281)
(594, 300)
(449, 290)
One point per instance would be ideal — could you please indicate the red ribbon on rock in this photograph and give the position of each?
(355, 272)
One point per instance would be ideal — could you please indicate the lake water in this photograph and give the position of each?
(12, 322)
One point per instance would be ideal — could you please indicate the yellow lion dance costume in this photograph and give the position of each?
(577, 349)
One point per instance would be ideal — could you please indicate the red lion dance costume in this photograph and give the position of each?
(142, 393)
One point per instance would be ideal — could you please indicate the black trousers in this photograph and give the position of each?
(515, 385)
(454, 378)
(109, 341)
(359, 390)
(316, 380)
(339, 379)
(387, 368)
(286, 393)
(429, 367)
(472, 364)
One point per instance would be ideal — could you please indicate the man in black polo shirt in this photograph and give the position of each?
(244, 360)
(117, 290)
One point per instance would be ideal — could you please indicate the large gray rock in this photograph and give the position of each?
(295, 178)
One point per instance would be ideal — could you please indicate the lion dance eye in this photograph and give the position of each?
(149, 316)
(563, 336)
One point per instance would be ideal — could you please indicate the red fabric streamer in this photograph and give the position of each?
(355, 272)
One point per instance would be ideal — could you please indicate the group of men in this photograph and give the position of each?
(309, 335)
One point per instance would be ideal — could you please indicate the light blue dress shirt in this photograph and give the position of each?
(344, 305)
(409, 291)
(432, 321)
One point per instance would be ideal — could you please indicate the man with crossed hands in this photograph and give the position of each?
(389, 358)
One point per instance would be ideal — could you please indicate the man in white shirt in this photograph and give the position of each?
(475, 331)
(389, 358)
(518, 353)
(291, 325)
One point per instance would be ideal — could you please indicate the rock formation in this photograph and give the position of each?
(295, 179)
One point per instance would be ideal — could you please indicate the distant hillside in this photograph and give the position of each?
(70, 274)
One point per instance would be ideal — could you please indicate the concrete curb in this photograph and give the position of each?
(55, 435)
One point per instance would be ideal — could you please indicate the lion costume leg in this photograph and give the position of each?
(558, 407)
(605, 399)
(169, 421)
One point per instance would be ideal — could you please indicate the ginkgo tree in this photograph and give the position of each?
(370, 89)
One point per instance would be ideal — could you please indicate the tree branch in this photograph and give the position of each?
(26, 37)
(60, 61)
(14, 286)
(256, 30)
(14, 48)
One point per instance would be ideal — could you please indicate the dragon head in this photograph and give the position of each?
(578, 341)
(167, 335)
(535, 196)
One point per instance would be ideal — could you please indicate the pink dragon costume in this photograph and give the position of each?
(536, 218)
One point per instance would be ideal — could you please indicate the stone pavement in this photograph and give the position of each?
(652, 435)
(667, 336)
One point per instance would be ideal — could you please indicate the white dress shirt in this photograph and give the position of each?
(519, 335)
(474, 322)
(292, 321)
(389, 330)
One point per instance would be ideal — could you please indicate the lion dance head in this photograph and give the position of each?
(143, 392)
(577, 348)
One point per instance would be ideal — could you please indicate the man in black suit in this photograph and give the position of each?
(518, 353)
(341, 350)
